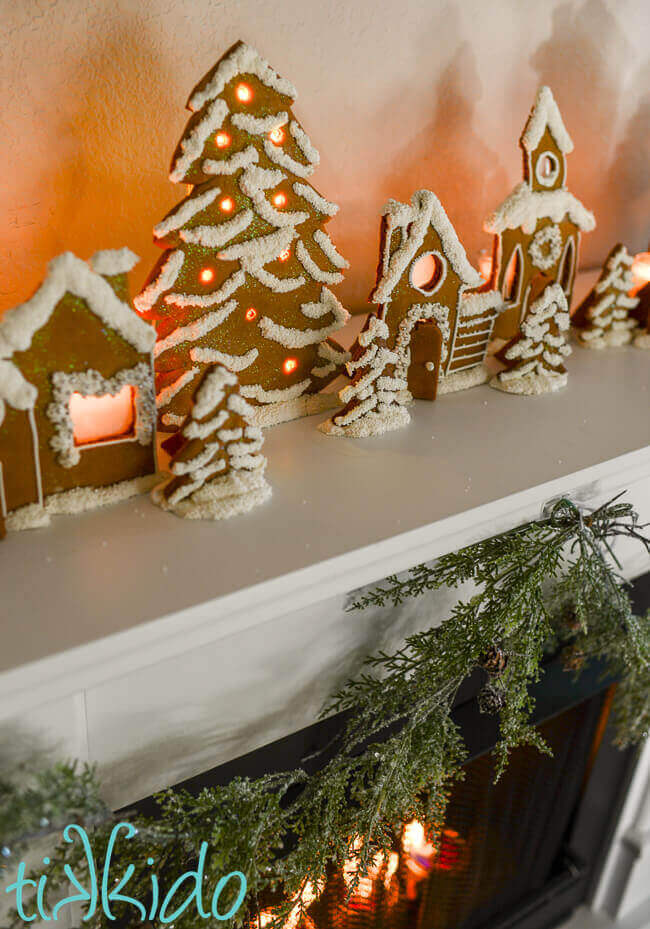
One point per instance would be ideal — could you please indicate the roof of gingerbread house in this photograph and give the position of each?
(524, 207)
(69, 274)
(545, 113)
(478, 302)
(414, 220)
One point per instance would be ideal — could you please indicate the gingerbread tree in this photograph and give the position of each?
(604, 319)
(375, 399)
(217, 468)
(534, 359)
(244, 279)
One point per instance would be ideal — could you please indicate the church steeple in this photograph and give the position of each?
(545, 143)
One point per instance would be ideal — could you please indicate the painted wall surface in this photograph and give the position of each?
(396, 94)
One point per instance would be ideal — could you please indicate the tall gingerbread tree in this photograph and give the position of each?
(604, 318)
(217, 470)
(534, 359)
(244, 279)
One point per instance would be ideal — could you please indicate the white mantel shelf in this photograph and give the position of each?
(120, 588)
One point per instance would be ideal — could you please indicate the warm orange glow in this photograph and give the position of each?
(301, 902)
(277, 136)
(640, 271)
(251, 313)
(280, 199)
(222, 139)
(227, 204)
(290, 365)
(485, 266)
(206, 275)
(97, 419)
(244, 93)
(285, 255)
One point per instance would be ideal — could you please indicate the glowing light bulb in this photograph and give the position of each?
(251, 313)
(280, 199)
(222, 139)
(206, 275)
(277, 135)
(290, 365)
(285, 255)
(244, 93)
(227, 204)
(640, 271)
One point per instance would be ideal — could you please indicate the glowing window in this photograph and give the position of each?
(428, 272)
(512, 277)
(105, 418)
(244, 93)
(547, 169)
(565, 277)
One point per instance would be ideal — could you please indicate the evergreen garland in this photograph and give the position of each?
(549, 584)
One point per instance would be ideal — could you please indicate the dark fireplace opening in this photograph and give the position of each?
(518, 854)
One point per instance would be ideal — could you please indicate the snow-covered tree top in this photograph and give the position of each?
(414, 220)
(545, 113)
(243, 59)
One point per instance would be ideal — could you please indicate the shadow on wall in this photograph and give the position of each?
(448, 155)
(83, 180)
(582, 61)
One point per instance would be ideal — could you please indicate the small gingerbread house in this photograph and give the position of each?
(537, 228)
(77, 407)
(439, 328)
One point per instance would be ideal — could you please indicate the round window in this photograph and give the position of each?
(428, 272)
(547, 169)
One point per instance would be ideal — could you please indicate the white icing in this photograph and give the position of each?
(14, 389)
(304, 143)
(236, 162)
(416, 313)
(168, 393)
(166, 279)
(234, 362)
(298, 338)
(237, 404)
(261, 250)
(413, 222)
(196, 430)
(69, 274)
(312, 269)
(193, 142)
(545, 113)
(92, 384)
(334, 358)
(230, 495)
(476, 303)
(279, 395)
(184, 212)
(242, 60)
(216, 235)
(312, 197)
(279, 285)
(608, 321)
(212, 390)
(546, 247)
(256, 125)
(172, 419)
(254, 182)
(227, 289)
(194, 330)
(329, 249)
(525, 207)
(643, 341)
(278, 156)
(112, 261)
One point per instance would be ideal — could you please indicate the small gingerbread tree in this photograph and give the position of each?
(604, 319)
(534, 359)
(242, 280)
(217, 469)
(376, 397)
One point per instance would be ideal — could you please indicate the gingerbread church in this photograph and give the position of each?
(77, 406)
(538, 227)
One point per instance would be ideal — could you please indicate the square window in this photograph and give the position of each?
(104, 418)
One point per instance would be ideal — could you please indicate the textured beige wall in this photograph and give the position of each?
(396, 94)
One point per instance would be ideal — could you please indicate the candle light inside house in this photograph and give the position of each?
(640, 271)
(485, 265)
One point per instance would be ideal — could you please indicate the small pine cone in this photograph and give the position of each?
(491, 699)
(573, 659)
(494, 661)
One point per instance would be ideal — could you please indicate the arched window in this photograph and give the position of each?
(428, 272)
(547, 169)
(511, 282)
(567, 262)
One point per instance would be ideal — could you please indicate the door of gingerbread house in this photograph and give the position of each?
(426, 354)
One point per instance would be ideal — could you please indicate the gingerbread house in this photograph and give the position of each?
(77, 406)
(537, 228)
(438, 323)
